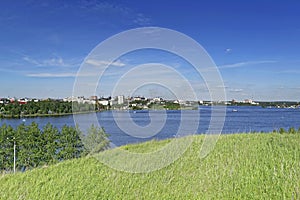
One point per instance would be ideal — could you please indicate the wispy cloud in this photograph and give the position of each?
(115, 9)
(63, 75)
(89, 74)
(51, 75)
(117, 63)
(246, 63)
(237, 90)
(54, 61)
(99, 8)
(228, 50)
(142, 20)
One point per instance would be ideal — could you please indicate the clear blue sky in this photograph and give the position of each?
(255, 44)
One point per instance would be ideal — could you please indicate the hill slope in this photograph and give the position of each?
(242, 166)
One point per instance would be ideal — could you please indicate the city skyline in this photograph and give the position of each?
(255, 45)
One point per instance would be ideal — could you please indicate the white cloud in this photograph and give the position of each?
(140, 19)
(63, 75)
(235, 90)
(104, 63)
(114, 9)
(32, 61)
(221, 86)
(52, 75)
(55, 61)
(241, 64)
(228, 50)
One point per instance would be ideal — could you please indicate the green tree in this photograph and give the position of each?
(36, 147)
(23, 146)
(49, 137)
(95, 140)
(30, 148)
(6, 147)
(69, 144)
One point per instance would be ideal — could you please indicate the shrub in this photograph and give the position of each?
(292, 130)
(282, 131)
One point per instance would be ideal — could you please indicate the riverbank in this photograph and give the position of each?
(45, 115)
(241, 166)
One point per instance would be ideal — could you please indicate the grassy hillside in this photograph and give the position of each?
(242, 166)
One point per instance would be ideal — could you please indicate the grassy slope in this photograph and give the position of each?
(242, 166)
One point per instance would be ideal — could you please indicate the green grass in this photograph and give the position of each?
(242, 166)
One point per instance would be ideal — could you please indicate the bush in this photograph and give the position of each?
(292, 130)
(282, 131)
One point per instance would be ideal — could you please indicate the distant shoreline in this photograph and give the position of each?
(96, 111)
(45, 115)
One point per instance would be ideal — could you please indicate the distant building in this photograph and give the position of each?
(121, 99)
(80, 100)
(157, 99)
(250, 101)
(93, 98)
(23, 101)
(182, 102)
(136, 98)
(73, 99)
(104, 102)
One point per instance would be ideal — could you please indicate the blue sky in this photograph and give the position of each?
(255, 44)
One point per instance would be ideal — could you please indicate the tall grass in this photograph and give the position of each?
(242, 166)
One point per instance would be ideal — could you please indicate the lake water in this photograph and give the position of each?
(238, 119)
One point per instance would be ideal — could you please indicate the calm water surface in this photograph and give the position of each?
(238, 119)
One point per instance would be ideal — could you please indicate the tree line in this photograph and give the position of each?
(48, 145)
(48, 107)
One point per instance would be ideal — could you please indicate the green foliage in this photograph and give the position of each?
(241, 166)
(37, 147)
(172, 106)
(49, 138)
(139, 102)
(83, 107)
(156, 106)
(292, 130)
(282, 131)
(95, 140)
(6, 146)
(69, 145)
(43, 108)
